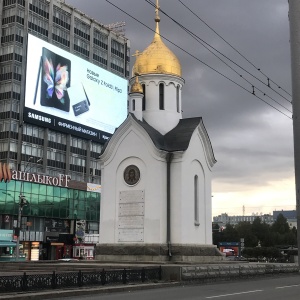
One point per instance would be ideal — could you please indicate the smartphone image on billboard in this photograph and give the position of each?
(80, 107)
(55, 80)
(78, 96)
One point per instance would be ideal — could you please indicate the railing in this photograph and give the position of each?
(37, 282)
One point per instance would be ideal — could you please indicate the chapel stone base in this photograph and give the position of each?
(158, 253)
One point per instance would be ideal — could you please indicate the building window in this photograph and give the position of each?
(40, 7)
(78, 146)
(16, 94)
(8, 2)
(61, 18)
(100, 40)
(5, 91)
(117, 65)
(77, 164)
(20, 16)
(8, 53)
(12, 15)
(19, 35)
(8, 72)
(161, 96)
(133, 105)
(11, 34)
(127, 61)
(38, 25)
(11, 2)
(61, 36)
(81, 47)
(117, 48)
(100, 57)
(177, 98)
(82, 29)
(196, 200)
(144, 98)
(18, 53)
(8, 91)
(9, 16)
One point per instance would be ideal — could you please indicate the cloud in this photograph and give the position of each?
(252, 141)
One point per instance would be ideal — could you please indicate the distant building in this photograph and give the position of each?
(224, 219)
(290, 215)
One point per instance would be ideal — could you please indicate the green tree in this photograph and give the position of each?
(216, 233)
(281, 232)
(262, 231)
(229, 234)
(244, 230)
(281, 225)
(277, 234)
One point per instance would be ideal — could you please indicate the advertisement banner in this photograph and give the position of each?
(69, 94)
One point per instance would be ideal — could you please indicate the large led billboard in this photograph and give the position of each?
(69, 94)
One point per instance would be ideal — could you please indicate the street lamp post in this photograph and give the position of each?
(22, 202)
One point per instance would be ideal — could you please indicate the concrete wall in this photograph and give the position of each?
(224, 272)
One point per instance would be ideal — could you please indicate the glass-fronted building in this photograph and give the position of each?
(30, 139)
(49, 202)
(50, 219)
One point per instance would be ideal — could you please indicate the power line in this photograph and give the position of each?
(250, 92)
(258, 69)
(201, 41)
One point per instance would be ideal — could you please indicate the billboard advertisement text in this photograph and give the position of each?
(69, 94)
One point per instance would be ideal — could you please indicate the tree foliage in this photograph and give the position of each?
(258, 233)
(262, 252)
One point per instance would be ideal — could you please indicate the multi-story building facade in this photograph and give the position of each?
(224, 219)
(290, 215)
(29, 144)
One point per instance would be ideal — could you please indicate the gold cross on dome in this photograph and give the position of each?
(136, 53)
(157, 8)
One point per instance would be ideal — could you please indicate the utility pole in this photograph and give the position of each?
(294, 17)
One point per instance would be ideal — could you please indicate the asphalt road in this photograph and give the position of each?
(270, 288)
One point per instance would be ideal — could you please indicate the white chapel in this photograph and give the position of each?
(156, 170)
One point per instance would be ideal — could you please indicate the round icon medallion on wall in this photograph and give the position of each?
(132, 175)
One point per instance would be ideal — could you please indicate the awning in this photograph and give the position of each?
(7, 244)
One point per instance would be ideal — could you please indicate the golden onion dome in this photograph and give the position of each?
(157, 57)
(136, 87)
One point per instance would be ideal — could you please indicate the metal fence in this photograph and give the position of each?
(37, 282)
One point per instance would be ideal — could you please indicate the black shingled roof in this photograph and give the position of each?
(177, 139)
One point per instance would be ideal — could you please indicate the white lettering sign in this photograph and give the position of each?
(61, 180)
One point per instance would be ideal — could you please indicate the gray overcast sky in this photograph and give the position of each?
(252, 142)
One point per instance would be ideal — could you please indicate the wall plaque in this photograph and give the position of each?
(131, 216)
(132, 196)
(131, 222)
(131, 235)
(131, 209)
